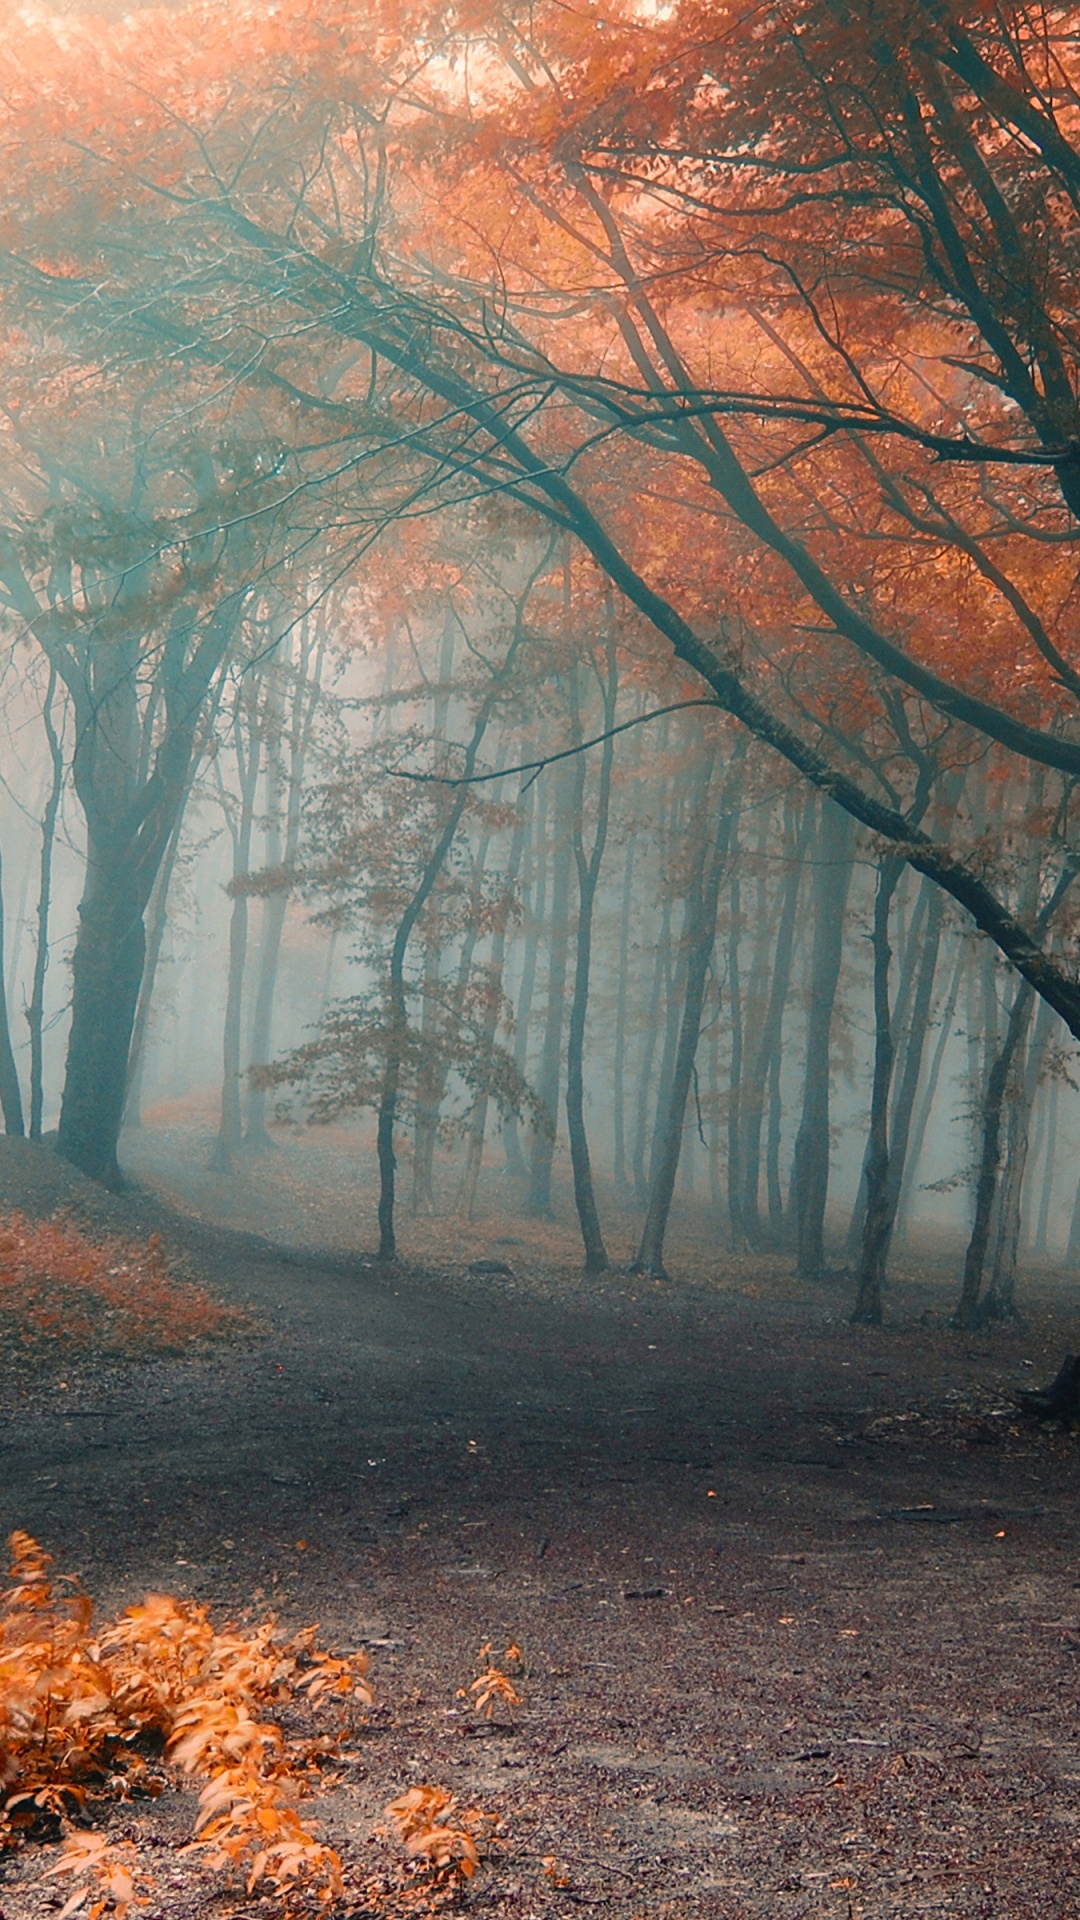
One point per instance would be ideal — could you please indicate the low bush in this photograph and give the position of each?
(61, 1292)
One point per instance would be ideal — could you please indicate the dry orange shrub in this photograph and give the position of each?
(80, 1712)
(439, 1835)
(60, 1290)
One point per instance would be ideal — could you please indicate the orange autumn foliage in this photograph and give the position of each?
(82, 1711)
(60, 1292)
(444, 1840)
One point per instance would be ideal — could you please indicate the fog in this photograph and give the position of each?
(344, 790)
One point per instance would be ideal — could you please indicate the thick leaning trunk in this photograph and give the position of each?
(810, 1170)
(107, 971)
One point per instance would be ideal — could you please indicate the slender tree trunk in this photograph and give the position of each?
(429, 1079)
(916, 1021)
(397, 1008)
(810, 1173)
(246, 748)
(767, 1061)
(674, 995)
(535, 904)
(588, 875)
(904, 1102)
(548, 1072)
(10, 1093)
(926, 1105)
(282, 851)
(474, 1156)
(35, 1012)
(877, 1224)
(272, 908)
(1041, 1242)
(968, 1312)
(157, 921)
(619, 1063)
(648, 1051)
(716, 1194)
(1072, 1251)
(736, 1175)
(702, 905)
(20, 923)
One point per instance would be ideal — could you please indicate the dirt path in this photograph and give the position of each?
(801, 1612)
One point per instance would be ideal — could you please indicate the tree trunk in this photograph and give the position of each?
(904, 1102)
(768, 1052)
(648, 1051)
(877, 1222)
(158, 915)
(10, 1095)
(429, 1080)
(619, 1063)
(926, 1105)
(282, 850)
(588, 874)
(534, 907)
(397, 1010)
(810, 1171)
(246, 748)
(271, 908)
(1041, 1240)
(35, 1012)
(968, 1312)
(736, 1176)
(538, 1205)
(674, 996)
(702, 906)
(1000, 1301)
(107, 971)
(474, 1155)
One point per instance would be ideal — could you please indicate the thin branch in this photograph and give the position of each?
(536, 767)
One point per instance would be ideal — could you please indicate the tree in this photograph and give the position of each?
(384, 855)
(895, 435)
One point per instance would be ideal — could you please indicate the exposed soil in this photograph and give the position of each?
(799, 1603)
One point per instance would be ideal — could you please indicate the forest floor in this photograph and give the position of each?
(799, 1603)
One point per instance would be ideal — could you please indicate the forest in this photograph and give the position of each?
(538, 694)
